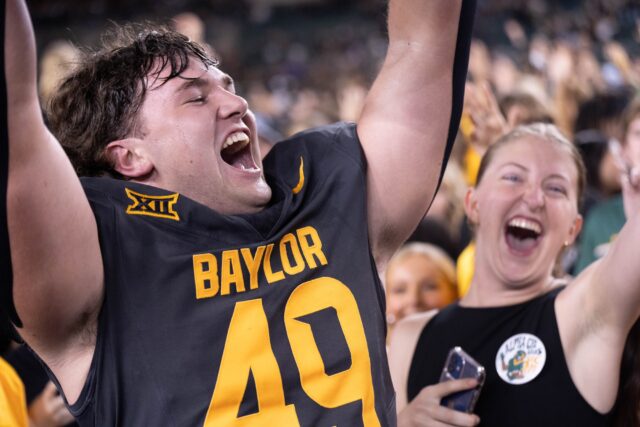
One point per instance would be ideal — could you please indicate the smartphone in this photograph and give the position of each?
(460, 365)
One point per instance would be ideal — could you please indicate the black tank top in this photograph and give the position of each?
(528, 381)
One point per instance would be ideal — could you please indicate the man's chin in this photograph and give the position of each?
(263, 197)
(257, 200)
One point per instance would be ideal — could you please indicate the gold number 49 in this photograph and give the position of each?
(248, 348)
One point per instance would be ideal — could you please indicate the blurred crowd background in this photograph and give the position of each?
(304, 63)
(307, 62)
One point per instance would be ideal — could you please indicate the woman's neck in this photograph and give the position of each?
(488, 290)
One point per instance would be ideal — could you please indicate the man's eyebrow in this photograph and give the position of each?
(190, 82)
(199, 82)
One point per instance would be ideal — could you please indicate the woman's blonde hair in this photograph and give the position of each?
(436, 255)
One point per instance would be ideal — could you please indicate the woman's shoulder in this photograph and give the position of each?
(406, 332)
(414, 322)
(402, 345)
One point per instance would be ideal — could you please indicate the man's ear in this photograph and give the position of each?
(471, 205)
(128, 159)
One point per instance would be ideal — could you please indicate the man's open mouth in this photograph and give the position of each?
(523, 235)
(236, 151)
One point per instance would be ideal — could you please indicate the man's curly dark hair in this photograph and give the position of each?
(99, 101)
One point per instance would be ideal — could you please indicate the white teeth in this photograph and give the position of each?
(236, 137)
(526, 224)
(244, 168)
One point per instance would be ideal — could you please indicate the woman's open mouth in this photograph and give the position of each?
(522, 235)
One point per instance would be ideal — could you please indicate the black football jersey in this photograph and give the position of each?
(269, 319)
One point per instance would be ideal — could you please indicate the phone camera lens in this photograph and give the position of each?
(455, 366)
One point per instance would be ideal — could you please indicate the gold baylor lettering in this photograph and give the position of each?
(229, 272)
(205, 270)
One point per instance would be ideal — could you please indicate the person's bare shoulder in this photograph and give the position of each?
(402, 345)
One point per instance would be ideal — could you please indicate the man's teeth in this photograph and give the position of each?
(234, 138)
(526, 224)
(244, 168)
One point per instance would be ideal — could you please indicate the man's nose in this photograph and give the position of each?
(231, 105)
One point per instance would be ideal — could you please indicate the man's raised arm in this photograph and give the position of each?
(55, 255)
(412, 113)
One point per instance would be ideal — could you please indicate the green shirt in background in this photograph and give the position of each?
(601, 227)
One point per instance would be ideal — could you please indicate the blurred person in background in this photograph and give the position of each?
(520, 108)
(45, 405)
(268, 136)
(25, 390)
(182, 238)
(443, 225)
(620, 64)
(13, 403)
(448, 205)
(479, 62)
(568, 84)
(419, 277)
(192, 26)
(57, 60)
(351, 94)
(481, 124)
(435, 232)
(505, 75)
(600, 119)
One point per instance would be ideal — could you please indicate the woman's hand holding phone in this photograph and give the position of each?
(426, 411)
(451, 401)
